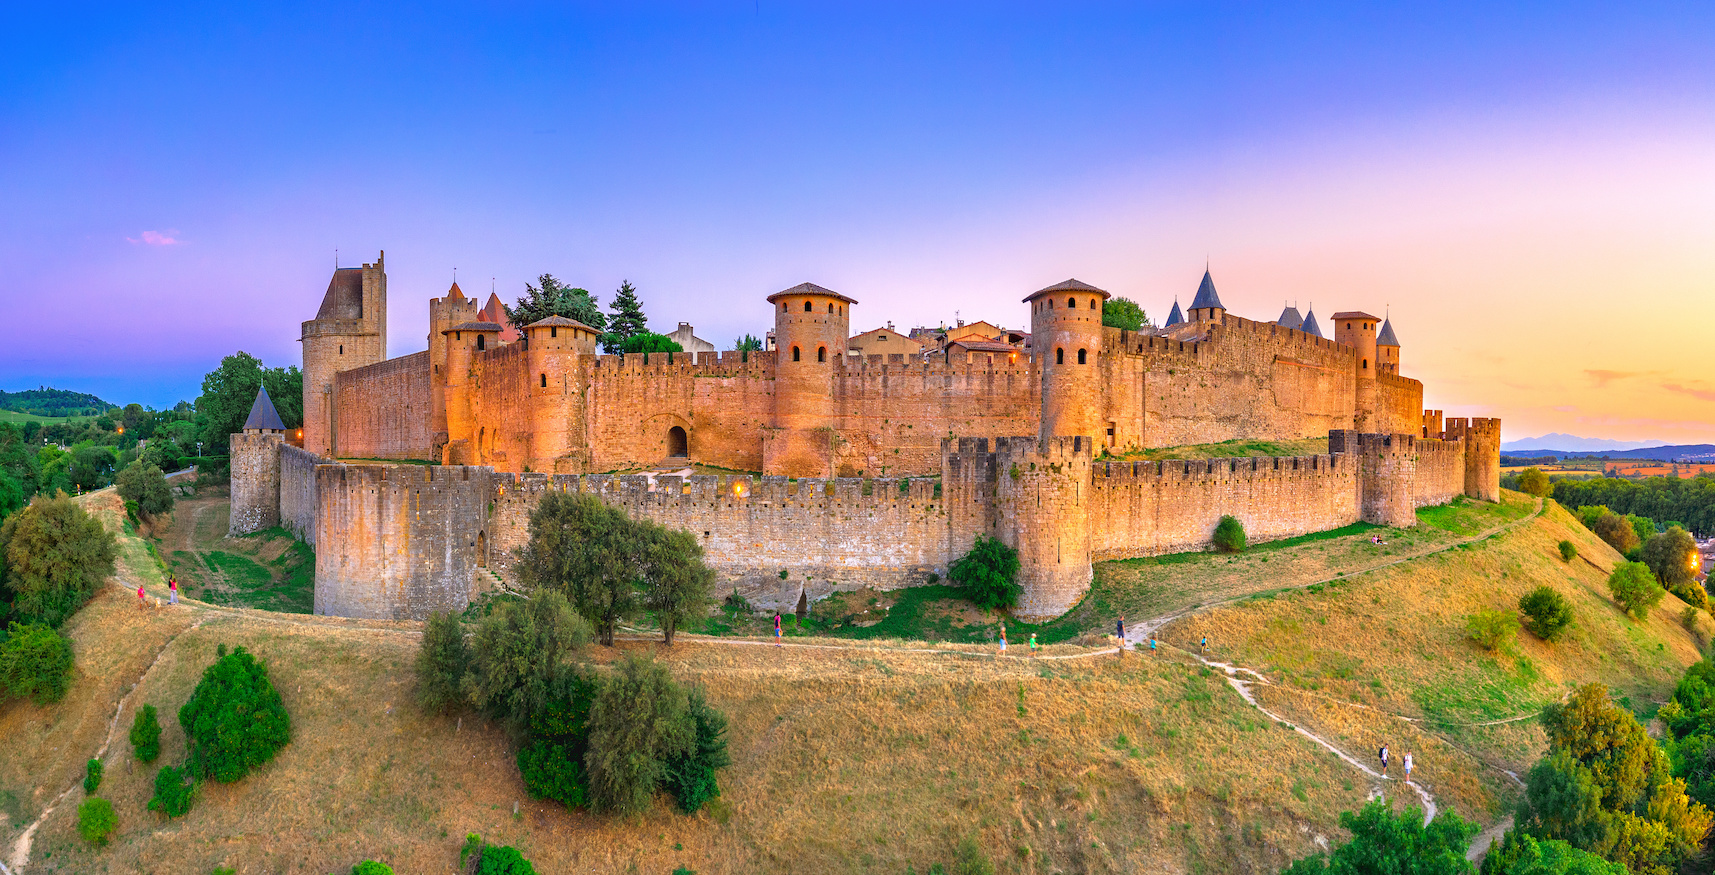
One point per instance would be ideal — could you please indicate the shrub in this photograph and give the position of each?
(637, 725)
(441, 662)
(1547, 613)
(1692, 593)
(552, 762)
(1672, 555)
(146, 735)
(1635, 589)
(1385, 841)
(96, 820)
(1614, 529)
(520, 653)
(370, 867)
(234, 720)
(174, 792)
(91, 777)
(480, 858)
(1688, 618)
(691, 774)
(35, 664)
(1568, 551)
(1519, 854)
(988, 574)
(55, 558)
(1532, 481)
(1230, 535)
(1494, 630)
(968, 859)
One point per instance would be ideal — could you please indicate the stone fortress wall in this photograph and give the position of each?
(876, 471)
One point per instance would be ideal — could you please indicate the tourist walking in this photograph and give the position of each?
(1203, 646)
(141, 601)
(1033, 645)
(1152, 644)
(1119, 632)
(1382, 754)
(1003, 639)
(172, 590)
(1407, 763)
(776, 630)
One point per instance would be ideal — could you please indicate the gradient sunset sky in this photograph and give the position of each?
(1529, 191)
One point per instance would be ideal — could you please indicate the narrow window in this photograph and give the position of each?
(342, 349)
(821, 353)
(1059, 356)
(544, 381)
(1071, 303)
(1080, 357)
(806, 306)
(830, 309)
(553, 331)
(1366, 364)
(794, 353)
(1050, 303)
(782, 306)
(479, 343)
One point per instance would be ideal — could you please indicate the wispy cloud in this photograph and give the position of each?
(1603, 378)
(158, 238)
(1699, 394)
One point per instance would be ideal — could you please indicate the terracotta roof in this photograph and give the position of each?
(1175, 317)
(1387, 338)
(455, 293)
(810, 289)
(1353, 314)
(1289, 318)
(1206, 296)
(559, 322)
(474, 326)
(262, 413)
(982, 346)
(1066, 286)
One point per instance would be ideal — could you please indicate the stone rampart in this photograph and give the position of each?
(383, 409)
(300, 502)
(1399, 404)
(255, 464)
(1440, 472)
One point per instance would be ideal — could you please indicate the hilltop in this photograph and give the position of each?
(879, 755)
(53, 403)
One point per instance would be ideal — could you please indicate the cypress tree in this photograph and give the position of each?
(628, 319)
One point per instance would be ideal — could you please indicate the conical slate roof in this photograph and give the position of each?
(1175, 317)
(1289, 318)
(1386, 338)
(262, 413)
(1310, 326)
(1206, 296)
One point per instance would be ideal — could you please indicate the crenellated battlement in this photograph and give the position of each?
(1119, 474)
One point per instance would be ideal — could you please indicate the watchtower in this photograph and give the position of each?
(1207, 306)
(463, 343)
(1482, 439)
(1357, 329)
(1066, 336)
(349, 331)
(811, 325)
(255, 465)
(1387, 350)
(553, 346)
(444, 313)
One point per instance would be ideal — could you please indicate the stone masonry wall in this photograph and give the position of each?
(300, 502)
(1399, 404)
(255, 463)
(382, 411)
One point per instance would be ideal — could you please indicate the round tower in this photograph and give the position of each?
(349, 331)
(1042, 490)
(463, 342)
(811, 326)
(1207, 306)
(553, 346)
(1357, 330)
(1066, 339)
(1387, 349)
(444, 313)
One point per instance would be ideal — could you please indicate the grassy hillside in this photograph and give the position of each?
(857, 756)
(268, 569)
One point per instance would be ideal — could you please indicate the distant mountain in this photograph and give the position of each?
(1676, 453)
(1574, 443)
(53, 402)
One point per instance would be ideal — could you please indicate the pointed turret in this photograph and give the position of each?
(455, 293)
(1387, 338)
(1175, 317)
(1310, 326)
(494, 311)
(263, 416)
(1207, 306)
(1387, 349)
(1289, 318)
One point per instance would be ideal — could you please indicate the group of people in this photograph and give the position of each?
(172, 593)
(1033, 645)
(1404, 761)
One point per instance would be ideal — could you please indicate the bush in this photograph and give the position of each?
(35, 664)
(1688, 618)
(1398, 843)
(988, 574)
(1614, 529)
(370, 867)
(1672, 555)
(1494, 630)
(1692, 593)
(55, 557)
(1230, 535)
(441, 663)
(480, 858)
(1547, 613)
(552, 762)
(146, 735)
(174, 792)
(234, 720)
(691, 774)
(91, 777)
(1519, 854)
(1532, 481)
(520, 654)
(1568, 551)
(1635, 589)
(96, 820)
(637, 725)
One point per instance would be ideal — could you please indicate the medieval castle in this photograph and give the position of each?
(875, 470)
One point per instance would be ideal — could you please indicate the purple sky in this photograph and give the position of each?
(1531, 192)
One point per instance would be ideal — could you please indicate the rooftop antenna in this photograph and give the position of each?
(336, 259)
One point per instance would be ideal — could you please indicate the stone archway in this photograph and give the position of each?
(678, 443)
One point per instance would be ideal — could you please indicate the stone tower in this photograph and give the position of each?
(1043, 511)
(463, 342)
(349, 331)
(1358, 330)
(1066, 336)
(553, 346)
(1207, 306)
(1482, 439)
(255, 466)
(444, 313)
(811, 325)
(1387, 350)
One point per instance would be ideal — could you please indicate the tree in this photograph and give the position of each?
(627, 320)
(441, 663)
(35, 664)
(1385, 843)
(235, 720)
(91, 466)
(1124, 314)
(1642, 526)
(1532, 481)
(175, 789)
(589, 551)
(96, 820)
(1672, 555)
(676, 581)
(553, 298)
(146, 734)
(1547, 613)
(747, 343)
(1614, 529)
(988, 574)
(647, 342)
(1494, 630)
(1519, 854)
(691, 773)
(91, 776)
(480, 858)
(520, 654)
(1568, 551)
(637, 725)
(229, 391)
(144, 483)
(1635, 589)
(552, 761)
(1230, 535)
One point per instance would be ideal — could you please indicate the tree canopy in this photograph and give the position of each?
(1124, 314)
(53, 557)
(550, 297)
(229, 390)
(1386, 843)
(626, 322)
